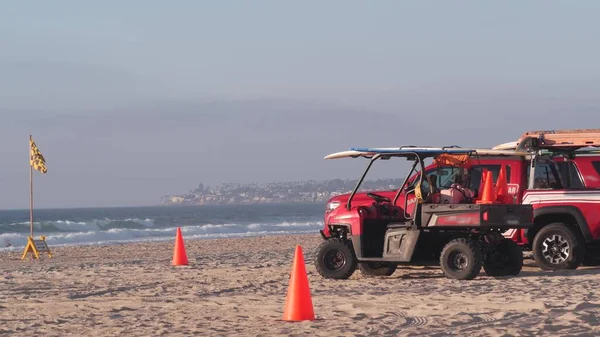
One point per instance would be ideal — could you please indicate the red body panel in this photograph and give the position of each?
(587, 202)
(467, 218)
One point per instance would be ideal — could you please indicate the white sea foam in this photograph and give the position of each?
(87, 233)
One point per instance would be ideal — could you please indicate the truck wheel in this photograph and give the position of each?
(506, 258)
(335, 259)
(376, 269)
(557, 246)
(461, 259)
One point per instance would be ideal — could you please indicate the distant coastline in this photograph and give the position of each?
(282, 192)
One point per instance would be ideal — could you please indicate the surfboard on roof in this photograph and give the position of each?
(506, 146)
(367, 152)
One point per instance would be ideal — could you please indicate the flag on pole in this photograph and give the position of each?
(36, 159)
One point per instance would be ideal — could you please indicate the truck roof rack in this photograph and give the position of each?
(565, 140)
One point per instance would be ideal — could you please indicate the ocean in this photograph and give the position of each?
(105, 226)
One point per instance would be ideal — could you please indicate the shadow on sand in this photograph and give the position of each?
(424, 272)
(561, 273)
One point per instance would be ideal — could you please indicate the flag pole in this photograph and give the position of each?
(30, 191)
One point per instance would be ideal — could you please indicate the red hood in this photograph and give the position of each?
(361, 197)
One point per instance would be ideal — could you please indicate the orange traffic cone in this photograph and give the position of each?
(179, 255)
(484, 173)
(487, 195)
(501, 189)
(298, 303)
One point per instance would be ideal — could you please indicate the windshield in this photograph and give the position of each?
(385, 175)
(442, 177)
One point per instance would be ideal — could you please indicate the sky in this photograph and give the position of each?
(130, 101)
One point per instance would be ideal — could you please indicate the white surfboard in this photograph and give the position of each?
(349, 154)
(369, 152)
(500, 152)
(506, 146)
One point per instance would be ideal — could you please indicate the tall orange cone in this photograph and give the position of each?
(501, 189)
(487, 195)
(484, 173)
(179, 255)
(298, 303)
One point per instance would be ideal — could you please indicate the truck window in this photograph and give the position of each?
(545, 176)
(596, 166)
(444, 178)
(475, 174)
(570, 174)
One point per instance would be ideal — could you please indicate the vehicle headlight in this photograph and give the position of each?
(331, 206)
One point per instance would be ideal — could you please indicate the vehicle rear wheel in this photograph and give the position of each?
(505, 258)
(557, 246)
(376, 269)
(592, 256)
(335, 259)
(461, 259)
(591, 261)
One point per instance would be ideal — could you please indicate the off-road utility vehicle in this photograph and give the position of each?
(558, 173)
(461, 232)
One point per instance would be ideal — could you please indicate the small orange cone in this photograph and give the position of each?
(179, 255)
(487, 195)
(298, 303)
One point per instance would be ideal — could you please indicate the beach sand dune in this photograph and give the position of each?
(238, 287)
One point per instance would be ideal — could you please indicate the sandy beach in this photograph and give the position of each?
(238, 287)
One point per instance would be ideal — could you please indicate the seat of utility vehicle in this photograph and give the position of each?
(456, 194)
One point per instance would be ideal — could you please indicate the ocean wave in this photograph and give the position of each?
(124, 234)
(75, 226)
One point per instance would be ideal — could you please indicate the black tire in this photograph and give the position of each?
(557, 247)
(461, 259)
(592, 256)
(376, 269)
(505, 258)
(591, 261)
(335, 259)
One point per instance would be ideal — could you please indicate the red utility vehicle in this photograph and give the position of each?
(463, 234)
(551, 170)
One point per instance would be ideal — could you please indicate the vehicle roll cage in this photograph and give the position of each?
(418, 159)
(420, 154)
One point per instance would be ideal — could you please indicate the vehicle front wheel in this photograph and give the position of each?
(506, 258)
(557, 246)
(376, 269)
(335, 259)
(461, 259)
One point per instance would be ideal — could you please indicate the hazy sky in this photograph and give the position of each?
(131, 100)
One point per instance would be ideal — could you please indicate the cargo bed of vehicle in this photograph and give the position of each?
(500, 216)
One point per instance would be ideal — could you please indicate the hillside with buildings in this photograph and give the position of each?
(297, 191)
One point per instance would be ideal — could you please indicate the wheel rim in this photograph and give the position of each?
(458, 261)
(555, 249)
(334, 259)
